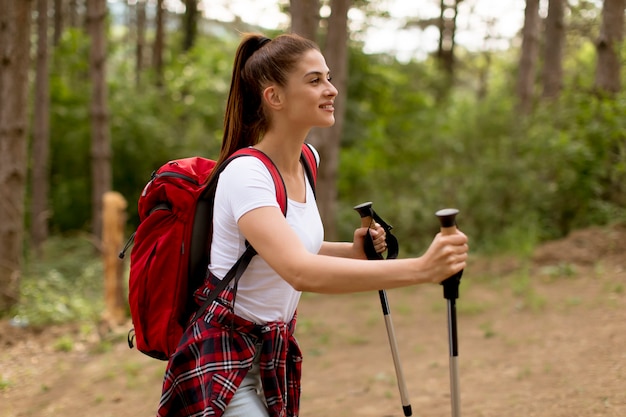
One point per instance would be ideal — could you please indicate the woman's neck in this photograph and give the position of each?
(284, 151)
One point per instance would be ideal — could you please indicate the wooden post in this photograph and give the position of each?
(113, 221)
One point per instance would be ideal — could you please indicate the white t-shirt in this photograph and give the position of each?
(244, 185)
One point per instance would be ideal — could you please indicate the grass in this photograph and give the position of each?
(64, 344)
(4, 384)
(561, 270)
(487, 329)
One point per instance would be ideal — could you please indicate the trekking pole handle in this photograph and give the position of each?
(447, 219)
(365, 211)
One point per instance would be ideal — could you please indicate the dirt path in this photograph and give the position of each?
(544, 339)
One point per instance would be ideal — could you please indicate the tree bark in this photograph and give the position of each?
(328, 141)
(190, 24)
(141, 40)
(485, 69)
(41, 136)
(447, 32)
(74, 13)
(305, 18)
(608, 47)
(15, 22)
(100, 136)
(528, 57)
(553, 52)
(159, 43)
(58, 21)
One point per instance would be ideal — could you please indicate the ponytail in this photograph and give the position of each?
(243, 105)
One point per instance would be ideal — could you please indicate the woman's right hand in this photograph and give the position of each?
(446, 256)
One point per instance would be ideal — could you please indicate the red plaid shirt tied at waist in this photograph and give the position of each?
(214, 356)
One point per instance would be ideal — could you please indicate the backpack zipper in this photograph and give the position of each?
(154, 176)
(175, 175)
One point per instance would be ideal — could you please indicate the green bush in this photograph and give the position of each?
(65, 286)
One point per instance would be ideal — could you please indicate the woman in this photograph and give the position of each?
(240, 359)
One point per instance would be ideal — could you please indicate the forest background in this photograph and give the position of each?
(529, 142)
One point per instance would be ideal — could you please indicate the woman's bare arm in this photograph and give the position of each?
(270, 234)
(355, 249)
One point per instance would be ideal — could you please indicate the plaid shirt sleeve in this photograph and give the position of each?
(214, 356)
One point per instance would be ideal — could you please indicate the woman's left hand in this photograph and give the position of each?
(379, 237)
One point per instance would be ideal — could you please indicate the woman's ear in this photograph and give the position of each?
(272, 97)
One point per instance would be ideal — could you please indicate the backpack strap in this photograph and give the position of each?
(279, 184)
(309, 162)
(234, 273)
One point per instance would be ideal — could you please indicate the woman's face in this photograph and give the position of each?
(309, 95)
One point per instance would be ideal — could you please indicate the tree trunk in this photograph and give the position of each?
(608, 47)
(305, 18)
(190, 24)
(328, 141)
(159, 43)
(41, 136)
(553, 52)
(528, 57)
(58, 21)
(15, 21)
(447, 32)
(114, 220)
(74, 13)
(485, 68)
(100, 136)
(141, 40)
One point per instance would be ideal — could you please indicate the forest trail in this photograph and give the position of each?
(542, 338)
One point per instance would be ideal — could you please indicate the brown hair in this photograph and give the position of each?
(259, 61)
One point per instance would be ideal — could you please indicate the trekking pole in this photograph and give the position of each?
(451, 293)
(368, 219)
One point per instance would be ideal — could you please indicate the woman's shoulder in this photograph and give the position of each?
(245, 177)
(246, 166)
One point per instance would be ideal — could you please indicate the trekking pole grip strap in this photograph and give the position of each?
(368, 217)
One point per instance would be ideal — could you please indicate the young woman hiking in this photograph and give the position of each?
(240, 359)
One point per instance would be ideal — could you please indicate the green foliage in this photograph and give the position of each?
(149, 125)
(65, 286)
(517, 181)
(410, 144)
(69, 134)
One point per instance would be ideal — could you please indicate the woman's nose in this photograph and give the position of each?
(332, 90)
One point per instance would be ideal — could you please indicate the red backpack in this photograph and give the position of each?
(170, 256)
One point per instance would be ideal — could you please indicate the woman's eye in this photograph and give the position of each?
(329, 79)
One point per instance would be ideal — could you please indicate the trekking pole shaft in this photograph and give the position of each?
(368, 221)
(455, 391)
(451, 293)
(393, 344)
